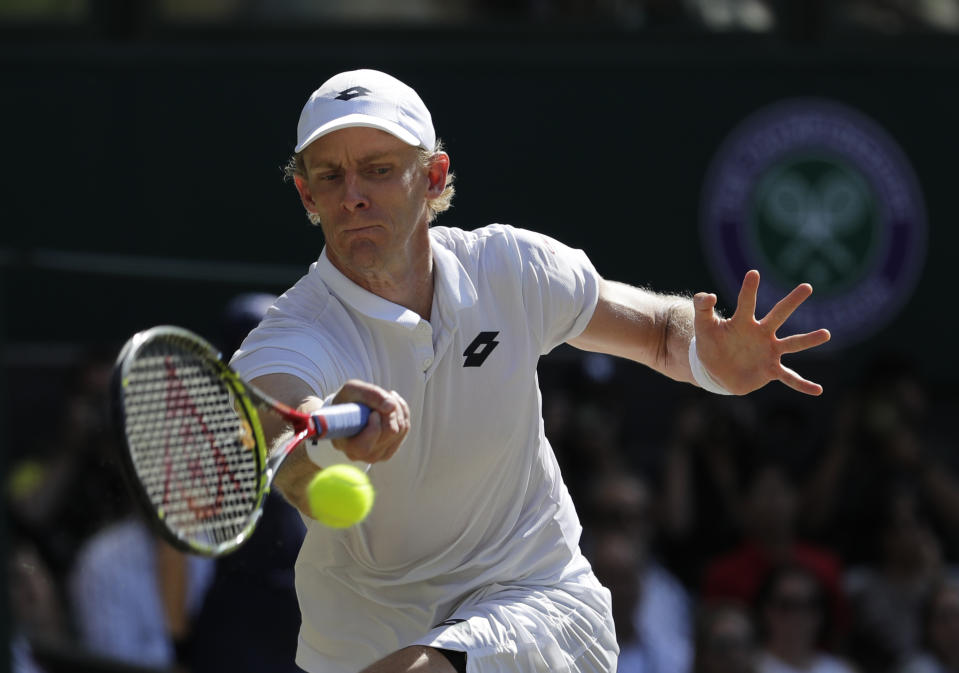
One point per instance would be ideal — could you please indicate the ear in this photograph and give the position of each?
(304, 190)
(437, 172)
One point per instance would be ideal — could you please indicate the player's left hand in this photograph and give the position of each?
(743, 353)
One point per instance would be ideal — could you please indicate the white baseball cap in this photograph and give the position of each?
(366, 98)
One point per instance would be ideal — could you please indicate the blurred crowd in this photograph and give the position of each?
(809, 19)
(767, 540)
(737, 535)
(94, 590)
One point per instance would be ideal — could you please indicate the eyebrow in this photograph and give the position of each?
(369, 158)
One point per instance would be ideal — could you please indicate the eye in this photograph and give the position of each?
(380, 170)
(324, 174)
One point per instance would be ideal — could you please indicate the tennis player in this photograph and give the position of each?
(470, 558)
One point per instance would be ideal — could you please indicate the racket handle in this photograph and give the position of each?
(341, 420)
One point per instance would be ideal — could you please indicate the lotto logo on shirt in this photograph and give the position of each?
(809, 190)
(480, 349)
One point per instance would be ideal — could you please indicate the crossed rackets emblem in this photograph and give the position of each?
(815, 218)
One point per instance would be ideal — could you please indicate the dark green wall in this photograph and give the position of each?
(602, 140)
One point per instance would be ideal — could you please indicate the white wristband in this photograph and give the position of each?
(703, 378)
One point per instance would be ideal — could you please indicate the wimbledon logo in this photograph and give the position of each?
(812, 191)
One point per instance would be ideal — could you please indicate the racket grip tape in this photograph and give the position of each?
(340, 420)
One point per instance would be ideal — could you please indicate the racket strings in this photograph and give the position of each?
(194, 453)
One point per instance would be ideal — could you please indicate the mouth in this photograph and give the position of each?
(360, 230)
(359, 222)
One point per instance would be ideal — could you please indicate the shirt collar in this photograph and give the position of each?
(360, 299)
(452, 286)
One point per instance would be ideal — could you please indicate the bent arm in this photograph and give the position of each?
(386, 428)
(643, 326)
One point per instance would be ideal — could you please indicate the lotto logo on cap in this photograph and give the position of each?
(366, 98)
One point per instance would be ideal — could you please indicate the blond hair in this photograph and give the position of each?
(295, 166)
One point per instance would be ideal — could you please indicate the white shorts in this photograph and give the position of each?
(566, 628)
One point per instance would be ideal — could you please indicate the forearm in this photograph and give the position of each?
(294, 476)
(643, 326)
(297, 469)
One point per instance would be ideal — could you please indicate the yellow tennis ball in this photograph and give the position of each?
(340, 496)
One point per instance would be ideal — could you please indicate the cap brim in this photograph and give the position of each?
(354, 120)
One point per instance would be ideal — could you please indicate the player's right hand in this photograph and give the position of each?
(387, 427)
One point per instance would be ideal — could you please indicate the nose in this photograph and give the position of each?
(354, 197)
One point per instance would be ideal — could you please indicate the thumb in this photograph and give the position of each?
(703, 305)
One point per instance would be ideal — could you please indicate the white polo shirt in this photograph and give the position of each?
(474, 496)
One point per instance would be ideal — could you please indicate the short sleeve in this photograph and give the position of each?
(281, 346)
(560, 288)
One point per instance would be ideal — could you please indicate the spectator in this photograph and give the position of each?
(771, 539)
(21, 656)
(120, 606)
(712, 443)
(66, 488)
(36, 605)
(239, 316)
(257, 579)
(940, 631)
(725, 640)
(35, 600)
(615, 560)
(886, 594)
(794, 621)
(651, 608)
(882, 439)
(584, 415)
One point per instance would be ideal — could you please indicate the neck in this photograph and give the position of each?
(412, 289)
(409, 283)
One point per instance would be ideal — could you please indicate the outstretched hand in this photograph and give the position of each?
(743, 353)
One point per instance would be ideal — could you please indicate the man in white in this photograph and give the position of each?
(470, 558)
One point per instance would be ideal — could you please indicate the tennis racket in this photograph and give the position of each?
(195, 451)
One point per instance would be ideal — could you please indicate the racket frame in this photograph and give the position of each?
(246, 398)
